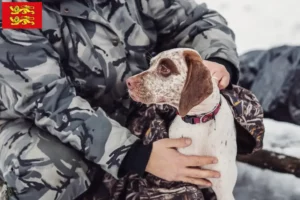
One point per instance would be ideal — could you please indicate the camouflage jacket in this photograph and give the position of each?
(69, 76)
(151, 123)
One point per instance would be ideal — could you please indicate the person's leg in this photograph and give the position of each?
(36, 165)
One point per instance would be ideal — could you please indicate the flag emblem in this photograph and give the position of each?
(22, 15)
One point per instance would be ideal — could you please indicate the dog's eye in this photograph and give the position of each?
(164, 70)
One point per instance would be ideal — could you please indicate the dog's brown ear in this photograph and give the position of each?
(198, 85)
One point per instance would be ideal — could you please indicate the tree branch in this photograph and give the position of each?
(273, 161)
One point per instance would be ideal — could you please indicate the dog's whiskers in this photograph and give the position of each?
(148, 55)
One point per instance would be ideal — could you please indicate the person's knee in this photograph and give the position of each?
(33, 161)
(46, 181)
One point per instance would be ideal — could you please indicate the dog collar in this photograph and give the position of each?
(203, 118)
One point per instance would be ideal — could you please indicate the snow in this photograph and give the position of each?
(282, 137)
(260, 23)
(256, 184)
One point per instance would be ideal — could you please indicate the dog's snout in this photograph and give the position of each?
(132, 83)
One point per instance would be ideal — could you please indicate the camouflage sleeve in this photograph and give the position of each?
(185, 23)
(33, 86)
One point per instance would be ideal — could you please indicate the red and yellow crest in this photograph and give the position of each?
(22, 15)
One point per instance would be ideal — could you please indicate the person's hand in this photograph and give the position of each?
(167, 163)
(219, 72)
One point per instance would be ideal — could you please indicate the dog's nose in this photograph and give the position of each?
(132, 83)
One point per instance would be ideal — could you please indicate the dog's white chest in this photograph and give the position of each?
(213, 138)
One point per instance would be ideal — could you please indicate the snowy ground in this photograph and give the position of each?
(256, 184)
(262, 24)
(282, 138)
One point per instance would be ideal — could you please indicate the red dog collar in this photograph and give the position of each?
(203, 118)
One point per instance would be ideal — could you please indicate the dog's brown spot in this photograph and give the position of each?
(167, 67)
(198, 85)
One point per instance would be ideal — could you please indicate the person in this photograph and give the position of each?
(63, 98)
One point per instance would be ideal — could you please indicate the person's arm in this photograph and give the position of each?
(33, 86)
(185, 23)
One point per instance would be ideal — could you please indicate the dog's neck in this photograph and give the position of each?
(209, 103)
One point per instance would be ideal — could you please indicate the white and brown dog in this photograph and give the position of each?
(179, 78)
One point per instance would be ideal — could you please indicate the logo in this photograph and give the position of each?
(22, 15)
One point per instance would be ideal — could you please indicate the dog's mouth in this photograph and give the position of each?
(140, 96)
(133, 96)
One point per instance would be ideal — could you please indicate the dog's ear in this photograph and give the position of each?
(198, 85)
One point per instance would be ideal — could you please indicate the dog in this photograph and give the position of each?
(179, 78)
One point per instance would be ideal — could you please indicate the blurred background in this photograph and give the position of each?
(261, 23)
(267, 35)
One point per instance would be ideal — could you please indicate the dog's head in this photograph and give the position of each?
(176, 77)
